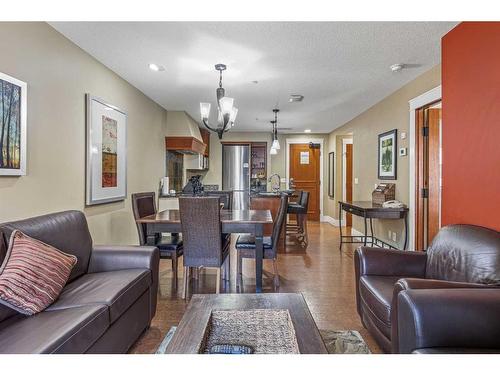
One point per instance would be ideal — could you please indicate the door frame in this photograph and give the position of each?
(345, 142)
(321, 156)
(420, 101)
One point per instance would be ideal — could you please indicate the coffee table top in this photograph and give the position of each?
(191, 329)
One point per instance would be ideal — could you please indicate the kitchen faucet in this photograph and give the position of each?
(275, 186)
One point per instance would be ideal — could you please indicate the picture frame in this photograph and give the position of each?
(331, 174)
(106, 152)
(13, 126)
(387, 155)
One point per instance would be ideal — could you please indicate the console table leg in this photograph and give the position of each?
(406, 232)
(364, 216)
(340, 225)
(371, 230)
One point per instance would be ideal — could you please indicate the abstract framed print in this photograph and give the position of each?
(387, 157)
(13, 127)
(106, 148)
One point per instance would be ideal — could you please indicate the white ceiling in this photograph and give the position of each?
(341, 68)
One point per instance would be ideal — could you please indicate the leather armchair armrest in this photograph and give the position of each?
(385, 262)
(416, 284)
(114, 258)
(448, 318)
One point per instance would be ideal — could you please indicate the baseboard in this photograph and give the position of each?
(355, 232)
(330, 220)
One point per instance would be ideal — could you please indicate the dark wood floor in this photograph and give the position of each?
(323, 275)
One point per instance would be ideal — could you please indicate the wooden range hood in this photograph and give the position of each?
(185, 145)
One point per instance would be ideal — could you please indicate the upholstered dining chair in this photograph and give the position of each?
(245, 245)
(225, 196)
(204, 243)
(171, 247)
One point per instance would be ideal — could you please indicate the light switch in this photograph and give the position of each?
(402, 151)
(356, 181)
(403, 135)
(394, 236)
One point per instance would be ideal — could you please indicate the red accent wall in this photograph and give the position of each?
(471, 124)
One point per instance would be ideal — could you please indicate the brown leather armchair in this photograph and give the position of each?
(460, 257)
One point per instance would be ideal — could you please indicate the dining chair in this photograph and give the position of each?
(204, 243)
(171, 247)
(245, 245)
(226, 197)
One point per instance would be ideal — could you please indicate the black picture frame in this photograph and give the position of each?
(388, 159)
(331, 174)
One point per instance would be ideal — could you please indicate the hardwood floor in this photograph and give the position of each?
(321, 273)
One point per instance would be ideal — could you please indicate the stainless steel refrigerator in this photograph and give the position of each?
(236, 174)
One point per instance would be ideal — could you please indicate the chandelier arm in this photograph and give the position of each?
(208, 126)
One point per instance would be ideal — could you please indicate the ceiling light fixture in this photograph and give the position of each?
(307, 131)
(296, 98)
(156, 67)
(397, 68)
(276, 144)
(226, 111)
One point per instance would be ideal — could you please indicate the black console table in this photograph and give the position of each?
(368, 211)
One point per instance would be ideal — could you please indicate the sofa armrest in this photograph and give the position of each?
(416, 284)
(115, 258)
(448, 318)
(384, 262)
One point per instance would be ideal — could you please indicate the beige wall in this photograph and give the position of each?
(59, 74)
(390, 113)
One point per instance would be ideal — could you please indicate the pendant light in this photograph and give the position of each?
(276, 143)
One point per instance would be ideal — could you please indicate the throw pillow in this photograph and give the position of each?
(33, 274)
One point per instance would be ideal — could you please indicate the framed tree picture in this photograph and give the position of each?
(13, 99)
(387, 157)
(106, 148)
(331, 174)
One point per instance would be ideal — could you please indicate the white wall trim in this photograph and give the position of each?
(321, 157)
(345, 142)
(415, 103)
(330, 220)
(355, 232)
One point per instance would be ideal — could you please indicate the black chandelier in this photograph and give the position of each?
(276, 144)
(226, 111)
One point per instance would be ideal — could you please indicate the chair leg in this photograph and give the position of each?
(276, 274)
(239, 274)
(217, 285)
(174, 269)
(185, 282)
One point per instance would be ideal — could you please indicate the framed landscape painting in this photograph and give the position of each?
(106, 146)
(13, 99)
(387, 161)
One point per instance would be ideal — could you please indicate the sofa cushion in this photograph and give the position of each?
(465, 253)
(66, 231)
(116, 289)
(376, 293)
(33, 274)
(60, 331)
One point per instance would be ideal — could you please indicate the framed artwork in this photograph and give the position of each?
(387, 155)
(331, 174)
(13, 99)
(106, 148)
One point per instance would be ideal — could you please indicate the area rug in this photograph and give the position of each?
(337, 342)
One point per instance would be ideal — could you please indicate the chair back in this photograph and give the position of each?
(304, 200)
(201, 231)
(143, 204)
(225, 197)
(279, 221)
(465, 253)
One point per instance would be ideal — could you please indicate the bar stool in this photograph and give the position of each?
(299, 209)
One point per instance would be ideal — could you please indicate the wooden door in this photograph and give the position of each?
(428, 170)
(304, 169)
(348, 180)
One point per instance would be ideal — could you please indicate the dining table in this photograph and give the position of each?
(232, 221)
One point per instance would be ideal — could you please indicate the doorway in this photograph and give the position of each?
(347, 177)
(428, 145)
(304, 169)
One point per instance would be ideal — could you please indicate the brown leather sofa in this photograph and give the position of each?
(108, 302)
(454, 285)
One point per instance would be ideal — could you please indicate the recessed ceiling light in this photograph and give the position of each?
(296, 98)
(156, 67)
(307, 131)
(255, 81)
(397, 68)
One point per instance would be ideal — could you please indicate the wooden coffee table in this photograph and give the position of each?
(190, 331)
